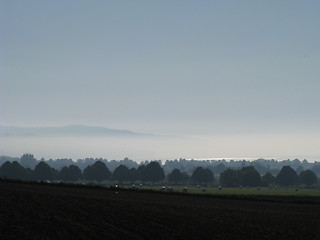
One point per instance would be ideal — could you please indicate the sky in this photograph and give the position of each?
(242, 76)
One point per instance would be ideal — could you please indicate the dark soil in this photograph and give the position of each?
(39, 211)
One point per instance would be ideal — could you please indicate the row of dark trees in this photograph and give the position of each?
(216, 166)
(153, 172)
(96, 172)
(248, 176)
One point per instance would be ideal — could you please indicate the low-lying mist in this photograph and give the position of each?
(302, 146)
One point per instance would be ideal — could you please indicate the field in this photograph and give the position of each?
(41, 211)
(250, 191)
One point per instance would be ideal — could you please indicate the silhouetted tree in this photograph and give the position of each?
(43, 171)
(185, 177)
(201, 175)
(140, 173)
(97, 172)
(299, 169)
(308, 177)
(71, 173)
(249, 177)
(121, 173)
(13, 171)
(55, 173)
(209, 176)
(175, 176)
(29, 174)
(28, 161)
(134, 175)
(259, 168)
(5, 170)
(287, 176)
(230, 178)
(18, 170)
(219, 168)
(153, 172)
(268, 179)
(316, 169)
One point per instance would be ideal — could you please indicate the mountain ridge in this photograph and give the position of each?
(70, 130)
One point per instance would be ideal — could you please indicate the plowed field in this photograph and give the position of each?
(35, 211)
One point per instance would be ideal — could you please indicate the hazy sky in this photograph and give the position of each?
(169, 67)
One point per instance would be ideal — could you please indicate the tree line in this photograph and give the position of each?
(249, 176)
(216, 166)
(153, 172)
(99, 172)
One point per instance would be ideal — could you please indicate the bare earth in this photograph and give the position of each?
(39, 211)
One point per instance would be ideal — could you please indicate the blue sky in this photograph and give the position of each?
(167, 67)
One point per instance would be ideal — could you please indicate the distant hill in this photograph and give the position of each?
(72, 130)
